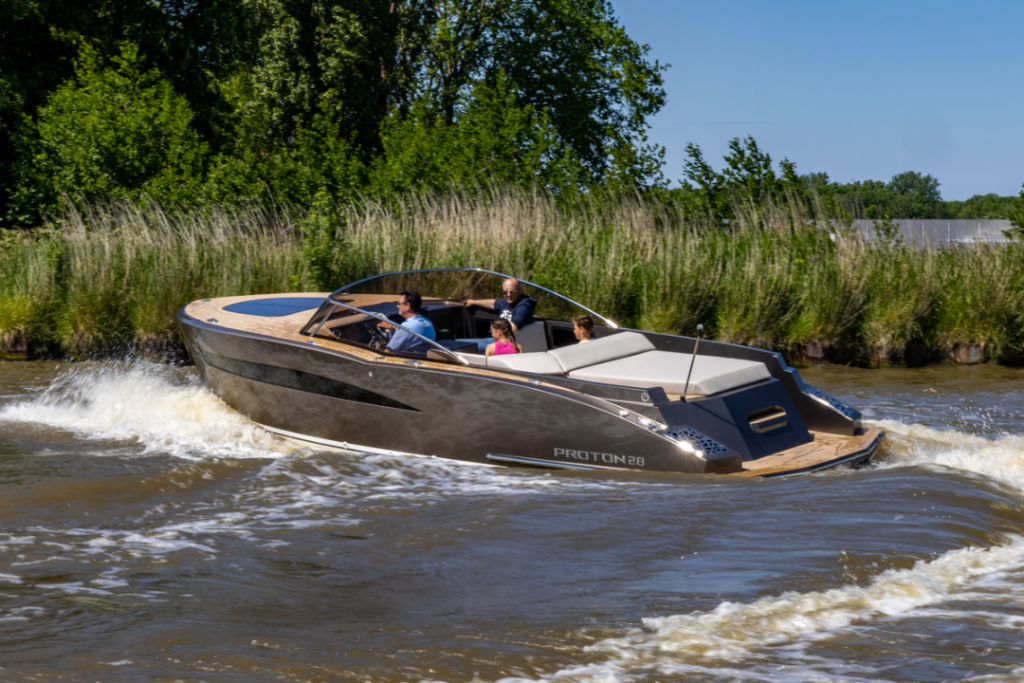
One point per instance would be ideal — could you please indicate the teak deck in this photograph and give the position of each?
(287, 327)
(810, 456)
(825, 448)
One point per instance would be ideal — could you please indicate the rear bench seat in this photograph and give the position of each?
(568, 358)
(629, 359)
(668, 370)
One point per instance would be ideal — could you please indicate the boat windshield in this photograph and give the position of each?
(457, 284)
(443, 292)
(361, 326)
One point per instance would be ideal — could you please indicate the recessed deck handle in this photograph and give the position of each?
(768, 419)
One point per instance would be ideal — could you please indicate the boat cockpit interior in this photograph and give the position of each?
(352, 314)
(617, 357)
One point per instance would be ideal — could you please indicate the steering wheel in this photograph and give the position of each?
(378, 337)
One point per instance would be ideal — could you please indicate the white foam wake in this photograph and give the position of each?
(163, 408)
(1000, 458)
(746, 635)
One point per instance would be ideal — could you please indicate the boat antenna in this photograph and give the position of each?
(692, 358)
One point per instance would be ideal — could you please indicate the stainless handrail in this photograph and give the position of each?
(686, 387)
(326, 317)
(342, 290)
(384, 318)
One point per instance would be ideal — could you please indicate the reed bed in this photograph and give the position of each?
(111, 276)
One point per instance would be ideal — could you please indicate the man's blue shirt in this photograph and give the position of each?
(519, 314)
(403, 342)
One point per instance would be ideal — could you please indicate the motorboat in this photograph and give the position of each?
(315, 367)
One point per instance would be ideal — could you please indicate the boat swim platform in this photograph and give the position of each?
(827, 450)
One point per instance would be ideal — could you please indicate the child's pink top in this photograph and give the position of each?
(504, 348)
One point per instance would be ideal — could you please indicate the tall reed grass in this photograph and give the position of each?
(776, 277)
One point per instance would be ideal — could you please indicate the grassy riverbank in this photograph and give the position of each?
(112, 277)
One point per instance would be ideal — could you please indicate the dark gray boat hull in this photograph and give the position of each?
(333, 394)
(443, 413)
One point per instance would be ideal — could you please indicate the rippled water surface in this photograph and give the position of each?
(150, 533)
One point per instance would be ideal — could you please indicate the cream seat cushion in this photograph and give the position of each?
(539, 363)
(601, 350)
(473, 358)
(668, 370)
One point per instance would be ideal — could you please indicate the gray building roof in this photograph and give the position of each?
(941, 233)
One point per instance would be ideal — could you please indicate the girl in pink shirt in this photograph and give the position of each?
(504, 339)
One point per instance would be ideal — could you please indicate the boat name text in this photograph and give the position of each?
(606, 458)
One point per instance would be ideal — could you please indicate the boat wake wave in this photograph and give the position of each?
(837, 634)
(774, 638)
(166, 410)
(162, 408)
(1000, 458)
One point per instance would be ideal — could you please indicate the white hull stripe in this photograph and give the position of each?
(346, 446)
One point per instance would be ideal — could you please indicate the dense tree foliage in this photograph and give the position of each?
(243, 99)
(494, 136)
(748, 178)
(111, 132)
(296, 101)
(193, 45)
(983, 206)
(1016, 216)
(907, 195)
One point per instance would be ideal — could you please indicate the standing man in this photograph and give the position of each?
(515, 307)
(409, 306)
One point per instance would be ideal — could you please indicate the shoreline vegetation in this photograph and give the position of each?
(303, 147)
(108, 278)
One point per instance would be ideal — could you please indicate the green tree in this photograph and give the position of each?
(1016, 216)
(493, 139)
(193, 45)
(876, 198)
(364, 62)
(913, 184)
(916, 195)
(816, 182)
(344, 61)
(981, 206)
(748, 177)
(634, 165)
(906, 195)
(109, 132)
(568, 58)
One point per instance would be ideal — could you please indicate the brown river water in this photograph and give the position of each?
(150, 533)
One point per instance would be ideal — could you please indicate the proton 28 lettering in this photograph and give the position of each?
(599, 458)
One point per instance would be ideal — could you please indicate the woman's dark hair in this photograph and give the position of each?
(505, 327)
(414, 300)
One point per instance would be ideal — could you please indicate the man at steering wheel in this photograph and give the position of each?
(409, 306)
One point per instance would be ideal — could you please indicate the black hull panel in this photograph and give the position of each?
(419, 409)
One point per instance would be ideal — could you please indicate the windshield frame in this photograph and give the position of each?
(383, 318)
(342, 290)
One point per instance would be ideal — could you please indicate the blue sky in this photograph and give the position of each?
(860, 90)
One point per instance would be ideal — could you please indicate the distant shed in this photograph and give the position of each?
(943, 233)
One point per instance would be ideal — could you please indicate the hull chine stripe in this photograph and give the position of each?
(346, 446)
(533, 462)
(301, 381)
